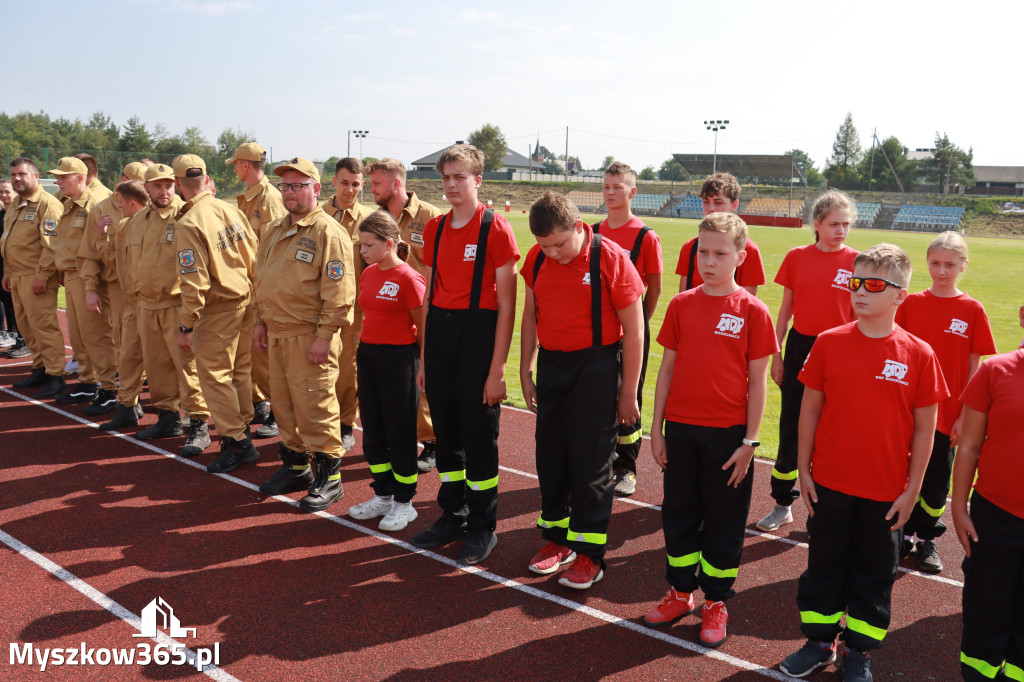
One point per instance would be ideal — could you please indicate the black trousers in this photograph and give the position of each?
(992, 644)
(784, 473)
(851, 566)
(577, 395)
(627, 449)
(704, 518)
(388, 403)
(457, 353)
(926, 519)
(7, 303)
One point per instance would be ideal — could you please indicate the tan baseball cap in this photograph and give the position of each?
(250, 151)
(159, 171)
(136, 170)
(69, 165)
(189, 166)
(304, 166)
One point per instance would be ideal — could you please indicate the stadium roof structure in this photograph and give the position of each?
(512, 160)
(745, 165)
(999, 174)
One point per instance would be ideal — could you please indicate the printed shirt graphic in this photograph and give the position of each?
(715, 338)
(821, 297)
(453, 274)
(387, 298)
(997, 389)
(750, 273)
(563, 295)
(954, 328)
(871, 387)
(649, 261)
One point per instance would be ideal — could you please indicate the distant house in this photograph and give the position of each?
(1010, 179)
(512, 161)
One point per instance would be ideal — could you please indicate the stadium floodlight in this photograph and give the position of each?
(360, 134)
(715, 126)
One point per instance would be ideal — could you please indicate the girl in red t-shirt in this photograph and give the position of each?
(957, 328)
(387, 360)
(816, 298)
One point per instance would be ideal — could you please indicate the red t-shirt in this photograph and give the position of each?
(563, 298)
(997, 388)
(818, 279)
(715, 338)
(649, 261)
(954, 328)
(387, 297)
(750, 273)
(871, 387)
(453, 275)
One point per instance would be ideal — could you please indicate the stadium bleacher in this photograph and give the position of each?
(866, 213)
(773, 207)
(690, 207)
(928, 218)
(649, 203)
(586, 201)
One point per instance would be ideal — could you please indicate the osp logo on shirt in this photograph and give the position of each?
(842, 280)
(470, 253)
(894, 371)
(730, 326)
(388, 292)
(958, 327)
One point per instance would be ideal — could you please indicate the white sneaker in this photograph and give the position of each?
(400, 516)
(7, 339)
(778, 517)
(371, 509)
(72, 367)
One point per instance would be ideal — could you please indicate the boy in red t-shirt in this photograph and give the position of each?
(644, 248)
(583, 306)
(721, 193)
(869, 409)
(710, 399)
(471, 255)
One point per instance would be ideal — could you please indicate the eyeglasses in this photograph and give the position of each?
(293, 186)
(872, 284)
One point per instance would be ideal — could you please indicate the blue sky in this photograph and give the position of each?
(634, 80)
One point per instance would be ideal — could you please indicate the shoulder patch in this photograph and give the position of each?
(50, 227)
(335, 269)
(186, 258)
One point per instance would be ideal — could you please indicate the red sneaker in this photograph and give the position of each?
(713, 620)
(674, 606)
(583, 573)
(551, 558)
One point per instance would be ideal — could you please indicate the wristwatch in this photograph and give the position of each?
(184, 330)
(751, 443)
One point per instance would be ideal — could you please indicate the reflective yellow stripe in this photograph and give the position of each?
(864, 629)
(820, 618)
(481, 485)
(1013, 672)
(931, 511)
(379, 468)
(299, 467)
(631, 438)
(408, 480)
(791, 476)
(452, 476)
(707, 568)
(560, 523)
(683, 561)
(592, 538)
(986, 669)
(334, 477)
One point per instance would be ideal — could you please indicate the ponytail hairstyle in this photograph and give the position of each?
(383, 226)
(828, 202)
(950, 240)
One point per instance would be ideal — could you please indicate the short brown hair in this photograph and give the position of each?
(890, 258)
(25, 161)
(726, 223)
(390, 166)
(622, 170)
(467, 153)
(90, 164)
(552, 212)
(721, 184)
(382, 224)
(351, 164)
(133, 190)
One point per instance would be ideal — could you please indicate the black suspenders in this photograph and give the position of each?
(478, 264)
(595, 286)
(634, 253)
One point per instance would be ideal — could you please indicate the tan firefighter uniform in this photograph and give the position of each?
(98, 189)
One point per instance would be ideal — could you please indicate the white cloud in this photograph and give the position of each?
(217, 9)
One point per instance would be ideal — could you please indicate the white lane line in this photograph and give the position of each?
(107, 603)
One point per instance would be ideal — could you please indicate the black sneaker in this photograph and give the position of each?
(51, 386)
(445, 530)
(233, 453)
(18, 350)
(348, 439)
(105, 401)
(269, 428)
(928, 557)
(80, 393)
(428, 458)
(168, 425)
(477, 548)
(36, 378)
(856, 666)
(198, 438)
(810, 657)
(906, 548)
(124, 418)
(260, 412)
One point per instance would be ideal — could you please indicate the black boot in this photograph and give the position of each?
(269, 428)
(82, 393)
(294, 475)
(198, 438)
(124, 418)
(168, 425)
(326, 488)
(36, 378)
(51, 386)
(106, 401)
(233, 453)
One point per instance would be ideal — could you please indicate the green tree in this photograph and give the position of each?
(949, 166)
(329, 165)
(672, 170)
(135, 137)
(367, 161)
(491, 141)
(608, 160)
(230, 139)
(805, 165)
(546, 153)
(878, 171)
(647, 173)
(846, 152)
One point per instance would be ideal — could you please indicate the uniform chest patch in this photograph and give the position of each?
(29, 215)
(186, 258)
(304, 256)
(50, 227)
(335, 269)
(82, 214)
(416, 233)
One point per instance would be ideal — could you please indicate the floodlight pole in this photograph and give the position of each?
(715, 126)
(359, 134)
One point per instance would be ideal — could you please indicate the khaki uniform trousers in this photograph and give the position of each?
(37, 323)
(94, 334)
(305, 398)
(348, 401)
(424, 425)
(171, 372)
(78, 351)
(130, 361)
(116, 297)
(221, 344)
(260, 374)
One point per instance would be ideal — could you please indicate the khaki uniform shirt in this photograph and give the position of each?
(215, 254)
(121, 250)
(30, 225)
(151, 259)
(98, 189)
(70, 230)
(413, 218)
(96, 252)
(304, 277)
(262, 205)
(350, 218)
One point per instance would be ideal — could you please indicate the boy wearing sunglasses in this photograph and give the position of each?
(866, 425)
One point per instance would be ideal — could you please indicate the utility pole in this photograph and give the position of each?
(871, 171)
(567, 153)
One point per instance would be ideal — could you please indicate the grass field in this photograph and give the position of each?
(994, 277)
